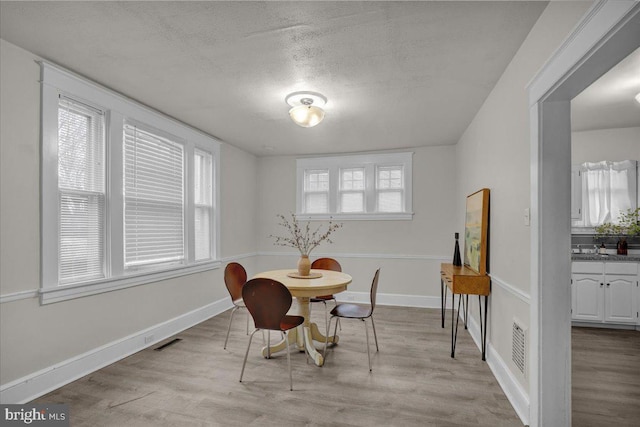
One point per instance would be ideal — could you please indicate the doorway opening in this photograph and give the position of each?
(609, 33)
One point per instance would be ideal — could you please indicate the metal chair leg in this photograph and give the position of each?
(269, 344)
(246, 354)
(335, 301)
(235, 307)
(325, 312)
(374, 332)
(286, 337)
(326, 339)
(366, 330)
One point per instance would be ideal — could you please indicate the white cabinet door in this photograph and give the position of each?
(619, 299)
(576, 193)
(587, 293)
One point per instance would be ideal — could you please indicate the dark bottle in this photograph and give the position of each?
(456, 253)
(622, 247)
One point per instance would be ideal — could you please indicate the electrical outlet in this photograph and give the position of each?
(148, 339)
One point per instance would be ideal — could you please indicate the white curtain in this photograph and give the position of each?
(608, 188)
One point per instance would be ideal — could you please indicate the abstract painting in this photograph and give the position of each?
(475, 231)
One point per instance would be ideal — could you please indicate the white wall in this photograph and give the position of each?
(605, 144)
(35, 337)
(494, 153)
(409, 253)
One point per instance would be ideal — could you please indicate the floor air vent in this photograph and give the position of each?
(167, 344)
(519, 348)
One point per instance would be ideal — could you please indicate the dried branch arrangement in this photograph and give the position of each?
(301, 237)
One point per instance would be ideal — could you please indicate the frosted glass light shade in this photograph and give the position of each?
(306, 115)
(638, 98)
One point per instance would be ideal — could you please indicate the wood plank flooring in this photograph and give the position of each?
(195, 382)
(605, 377)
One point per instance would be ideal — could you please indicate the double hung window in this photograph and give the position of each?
(153, 198)
(203, 203)
(316, 191)
(389, 189)
(352, 190)
(81, 191)
(366, 186)
(128, 195)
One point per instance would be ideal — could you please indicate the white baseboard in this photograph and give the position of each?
(393, 299)
(39, 383)
(517, 396)
(604, 325)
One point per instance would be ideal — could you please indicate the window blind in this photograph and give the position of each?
(153, 198)
(81, 191)
(203, 203)
(352, 190)
(316, 191)
(390, 189)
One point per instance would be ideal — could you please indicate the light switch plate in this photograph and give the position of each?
(527, 217)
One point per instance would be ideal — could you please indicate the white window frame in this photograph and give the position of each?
(207, 205)
(307, 192)
(57, 81)
(380, 191)
(370, 162)
(342, 191)
(579, 226)
(72, 190)
(179, 144)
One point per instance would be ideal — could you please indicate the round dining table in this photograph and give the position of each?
(303, 289)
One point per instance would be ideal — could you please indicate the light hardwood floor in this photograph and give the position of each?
(605, 377)
(195, 382)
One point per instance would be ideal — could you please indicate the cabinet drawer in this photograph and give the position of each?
(630, 268)
(587, 267)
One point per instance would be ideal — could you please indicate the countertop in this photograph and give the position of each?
(610, 257)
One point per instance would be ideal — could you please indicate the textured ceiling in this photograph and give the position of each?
(396, 74)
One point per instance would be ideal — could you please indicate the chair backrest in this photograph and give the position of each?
(326, 264)
(374, 290)
(268, 302)
(235, 276)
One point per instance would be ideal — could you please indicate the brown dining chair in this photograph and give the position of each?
(354, 311)
(268, 302)
(325, 264)
(235, 277)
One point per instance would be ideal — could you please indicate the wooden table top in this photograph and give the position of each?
(330, 283)
(463, 280)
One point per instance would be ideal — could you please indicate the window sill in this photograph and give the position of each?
(67, 292)
(401, 216)
(583, 230)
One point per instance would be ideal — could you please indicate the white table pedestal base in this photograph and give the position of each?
(303, 336)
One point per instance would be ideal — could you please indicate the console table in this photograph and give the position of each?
(464, 281)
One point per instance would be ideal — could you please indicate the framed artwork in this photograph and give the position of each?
(476, 227)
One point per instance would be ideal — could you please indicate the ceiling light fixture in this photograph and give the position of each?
(306, 108)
